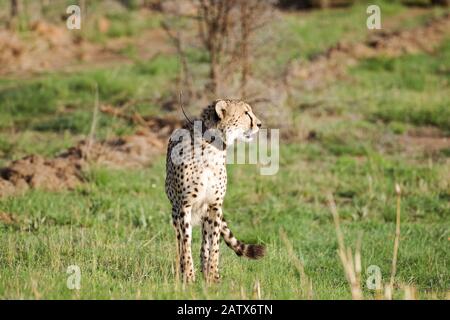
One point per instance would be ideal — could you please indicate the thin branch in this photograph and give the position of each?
(397, 237)
(176, 39)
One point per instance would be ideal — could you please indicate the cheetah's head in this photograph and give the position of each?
(236, 120)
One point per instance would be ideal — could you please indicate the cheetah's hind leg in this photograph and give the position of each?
(177, 240)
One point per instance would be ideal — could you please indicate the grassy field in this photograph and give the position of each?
(116, 227)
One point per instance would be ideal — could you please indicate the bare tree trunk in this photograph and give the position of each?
(214, 73)
(441, 2)
(214, 24)
(245, 41)
(14, 8)
(226, 30)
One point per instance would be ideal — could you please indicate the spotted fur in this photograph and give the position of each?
(196, 185)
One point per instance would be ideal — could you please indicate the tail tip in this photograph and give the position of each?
(255, 251)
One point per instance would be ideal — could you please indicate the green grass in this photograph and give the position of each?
(117, 230)
(306, 35)
(414, 88)
(123, 24)
(61, 92)
(411, 90)
(64, 103)
(116, 227)
(124, 21)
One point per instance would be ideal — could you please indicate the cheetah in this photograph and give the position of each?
(196, 182)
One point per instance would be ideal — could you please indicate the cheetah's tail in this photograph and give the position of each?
(251, 251)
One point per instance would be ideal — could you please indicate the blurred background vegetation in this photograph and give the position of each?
(358, 111)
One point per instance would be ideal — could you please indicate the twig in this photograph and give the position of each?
(182, 109)
(397, 237)
(410, 292)
(176, 39)
(94, 122)
(257, 290)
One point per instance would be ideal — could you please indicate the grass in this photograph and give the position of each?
(116, 227)
(122, 19)
(307, 35)
(122, 24)
(415, 88)
(63, 103)
(59, 92)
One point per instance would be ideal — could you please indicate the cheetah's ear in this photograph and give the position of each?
(220, 107)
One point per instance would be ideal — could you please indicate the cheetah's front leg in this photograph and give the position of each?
(212, 234)
(185, 232)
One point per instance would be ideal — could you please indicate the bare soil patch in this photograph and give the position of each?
(7, 218)
(46, 47)
(49, 47)
(65, 171)
(425, 140)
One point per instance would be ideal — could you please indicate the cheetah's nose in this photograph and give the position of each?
(259, 124)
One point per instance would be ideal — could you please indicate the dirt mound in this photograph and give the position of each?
(125, 152)
(333, 63)
(36, 172)
(11, 49)
(7, 218)
(66, 170)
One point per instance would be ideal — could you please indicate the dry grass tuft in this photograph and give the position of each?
(305, 282)
(351, 264)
